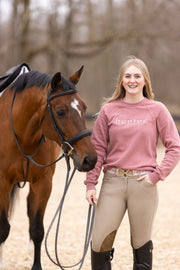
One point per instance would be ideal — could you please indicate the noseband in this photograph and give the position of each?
(66, 143)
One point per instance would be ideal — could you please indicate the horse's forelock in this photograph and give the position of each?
(67, 85)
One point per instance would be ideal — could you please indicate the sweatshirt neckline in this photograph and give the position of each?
(135, 103)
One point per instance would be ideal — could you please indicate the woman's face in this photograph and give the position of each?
(133, 81)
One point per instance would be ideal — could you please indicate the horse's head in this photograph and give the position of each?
(65, 121)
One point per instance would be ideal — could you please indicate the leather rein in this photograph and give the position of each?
(66, 144)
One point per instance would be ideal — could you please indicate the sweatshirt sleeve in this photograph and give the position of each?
(100, 142)
(170, 138)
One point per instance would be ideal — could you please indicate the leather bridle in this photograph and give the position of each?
(67, 149)
(75, 138)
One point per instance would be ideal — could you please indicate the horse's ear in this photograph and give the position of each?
(74, 78)
(56, 81)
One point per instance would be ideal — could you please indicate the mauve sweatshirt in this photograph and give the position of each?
(125, 136)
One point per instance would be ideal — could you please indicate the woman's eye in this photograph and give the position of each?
(61, 113)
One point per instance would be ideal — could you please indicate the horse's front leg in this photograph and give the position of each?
(37, 201)
(4, 232)
(1, 256)
(5, 189)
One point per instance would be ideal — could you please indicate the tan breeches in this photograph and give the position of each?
(117, 195)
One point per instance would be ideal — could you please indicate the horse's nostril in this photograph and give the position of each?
(86, 161)
(89, 163)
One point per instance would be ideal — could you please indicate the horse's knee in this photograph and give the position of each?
(36, 229)
(4, 227)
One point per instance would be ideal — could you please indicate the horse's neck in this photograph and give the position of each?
(28, 112)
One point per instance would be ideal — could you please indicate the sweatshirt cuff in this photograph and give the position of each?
(154, 177)
(90, 187)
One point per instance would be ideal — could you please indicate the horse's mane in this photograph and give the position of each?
(36, 78)
(30, 79)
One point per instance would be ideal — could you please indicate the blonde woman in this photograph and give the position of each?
(125, 137)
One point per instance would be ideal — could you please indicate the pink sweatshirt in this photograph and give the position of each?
(126, 135)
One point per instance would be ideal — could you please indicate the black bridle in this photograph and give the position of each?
(67, 152)
(67, 144)
(75, 138)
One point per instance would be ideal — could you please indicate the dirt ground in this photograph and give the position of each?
(166, 235)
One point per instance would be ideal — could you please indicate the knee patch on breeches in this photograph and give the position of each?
(108, 241)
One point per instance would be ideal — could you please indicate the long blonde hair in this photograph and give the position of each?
(120, 92)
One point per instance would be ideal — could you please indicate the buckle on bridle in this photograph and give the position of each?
(70, 152)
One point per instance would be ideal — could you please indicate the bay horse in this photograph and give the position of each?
(46, 111)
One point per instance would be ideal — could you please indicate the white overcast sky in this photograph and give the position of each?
(6, 5)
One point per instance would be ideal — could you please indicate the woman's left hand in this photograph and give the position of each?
(146, 178)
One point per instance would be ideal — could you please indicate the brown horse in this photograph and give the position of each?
(37, 112)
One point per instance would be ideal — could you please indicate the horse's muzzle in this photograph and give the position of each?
(85, 164)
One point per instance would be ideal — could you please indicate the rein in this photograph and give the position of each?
(67, 144)
(89, 226)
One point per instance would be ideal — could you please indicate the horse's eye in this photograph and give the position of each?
(61, 113)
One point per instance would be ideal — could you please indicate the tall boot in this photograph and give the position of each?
(101, 260)
(143, 257)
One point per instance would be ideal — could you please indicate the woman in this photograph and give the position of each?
(125, 137)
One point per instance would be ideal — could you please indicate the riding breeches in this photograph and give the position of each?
(118, 194)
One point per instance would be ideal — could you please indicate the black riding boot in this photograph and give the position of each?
(143, 257)
(101, 260)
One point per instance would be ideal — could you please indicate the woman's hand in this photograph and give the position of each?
(91, 196)
(146, 178)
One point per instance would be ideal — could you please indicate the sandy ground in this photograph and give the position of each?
(166, 236)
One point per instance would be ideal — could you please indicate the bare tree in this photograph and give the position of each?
(100, 34)
(67, 34)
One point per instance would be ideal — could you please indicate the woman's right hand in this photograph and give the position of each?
(91, 196)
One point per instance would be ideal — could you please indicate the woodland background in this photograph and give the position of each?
(62, 35)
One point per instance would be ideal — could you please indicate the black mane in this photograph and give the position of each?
(36, 78)
(30, 79)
